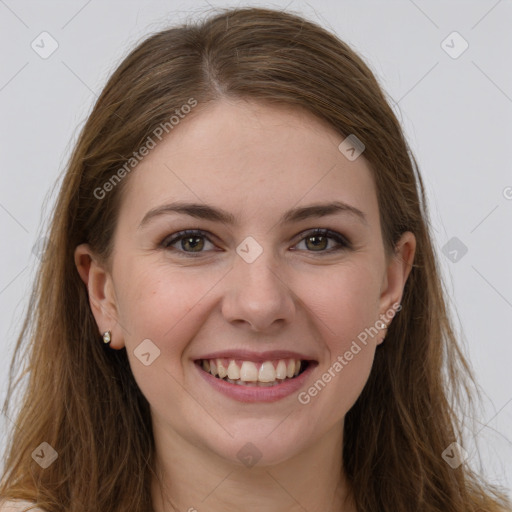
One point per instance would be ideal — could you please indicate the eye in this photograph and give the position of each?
(318, 240)
(192, 241)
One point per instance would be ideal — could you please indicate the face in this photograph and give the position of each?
(258, 286)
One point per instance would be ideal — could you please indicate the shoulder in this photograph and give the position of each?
(18, 506)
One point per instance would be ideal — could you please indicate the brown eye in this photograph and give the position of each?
(191, 241)
(318, 241)
(194, 242)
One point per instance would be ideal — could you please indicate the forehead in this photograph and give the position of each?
(249, 158)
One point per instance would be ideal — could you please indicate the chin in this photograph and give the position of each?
(261, 442)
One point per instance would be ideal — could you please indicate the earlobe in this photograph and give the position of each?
(99, 288)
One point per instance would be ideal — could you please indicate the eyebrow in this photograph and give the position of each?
(207, 212)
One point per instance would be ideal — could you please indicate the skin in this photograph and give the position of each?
(256, 162)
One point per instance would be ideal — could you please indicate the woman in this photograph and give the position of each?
(242, 308)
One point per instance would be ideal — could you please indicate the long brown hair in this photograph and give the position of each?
(82, 399)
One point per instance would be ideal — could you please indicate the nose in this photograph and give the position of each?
(258, 295)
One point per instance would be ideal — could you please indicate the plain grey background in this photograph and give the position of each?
(455, 104)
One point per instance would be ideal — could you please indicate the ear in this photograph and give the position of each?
(397, 272)
(101, 292)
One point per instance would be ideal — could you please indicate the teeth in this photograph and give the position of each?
(221, 370)
(233, 371)
(281, 370)
(248, 372)
(290, 371)
(267, 373)
(254, 384)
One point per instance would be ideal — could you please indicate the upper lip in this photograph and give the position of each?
(259, 357)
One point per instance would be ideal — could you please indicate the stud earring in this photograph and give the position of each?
(384, 335)
(107, 337)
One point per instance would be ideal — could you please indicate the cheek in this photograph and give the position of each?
(344, 306)
(158, 311)
(149, 298)
(162, 305)
(344, 301)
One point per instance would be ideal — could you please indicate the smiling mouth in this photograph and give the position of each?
(249, 373)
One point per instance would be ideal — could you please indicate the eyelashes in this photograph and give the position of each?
(186, 235)
(196, 235)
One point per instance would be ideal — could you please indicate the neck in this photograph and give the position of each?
(193, 479)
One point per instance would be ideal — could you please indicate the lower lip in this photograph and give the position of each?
(244, 393)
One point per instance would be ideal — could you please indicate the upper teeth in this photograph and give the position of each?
(248, 371)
